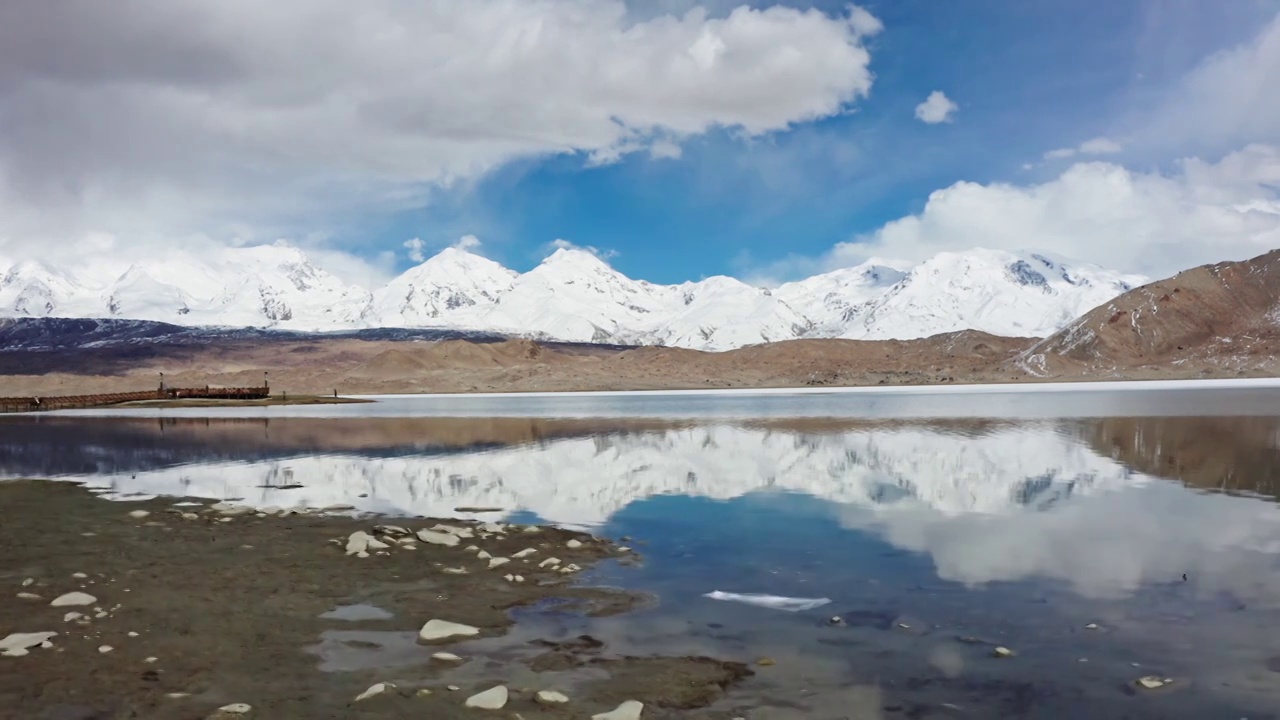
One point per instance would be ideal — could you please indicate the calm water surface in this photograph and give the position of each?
(1013, 519)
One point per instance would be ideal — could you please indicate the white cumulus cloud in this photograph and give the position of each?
(937, 108)
(415, 247)
(241, 121)
(1096, 146)
(1149, 222)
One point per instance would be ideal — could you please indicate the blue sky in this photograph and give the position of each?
(1028, 76)
(768, 141)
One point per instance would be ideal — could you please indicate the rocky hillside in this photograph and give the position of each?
(1208, 320)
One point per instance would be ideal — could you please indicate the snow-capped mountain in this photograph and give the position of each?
(1015, 295)
(576, 296)
(454, 284)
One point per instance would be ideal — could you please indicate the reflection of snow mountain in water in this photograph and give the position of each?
(584, 480)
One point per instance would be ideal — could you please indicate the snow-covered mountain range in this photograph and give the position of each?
(575, 296)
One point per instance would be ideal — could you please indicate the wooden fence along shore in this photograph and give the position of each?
(66, 402)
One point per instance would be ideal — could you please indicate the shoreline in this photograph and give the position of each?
(182, 587)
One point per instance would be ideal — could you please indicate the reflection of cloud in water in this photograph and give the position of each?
(1013, 503)
(1103, 545)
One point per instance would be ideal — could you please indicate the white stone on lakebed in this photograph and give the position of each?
(524, 553)
(498, 562)
(28, 596)
(549, 562)
(446, 657)
(104, 649)
(440, 629)
(74, 598)
(139, 514)
(573, 544)
(358, 542)
(236, 708)
(483, 555)
(461, 532)
(437, 538)
(629, 710)
(19, 644)
(491, 699)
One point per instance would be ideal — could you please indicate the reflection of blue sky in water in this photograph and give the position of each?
(1020, 532)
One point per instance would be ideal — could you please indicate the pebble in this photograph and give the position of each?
(1151, 682)
(472, 548)
(373, 690)
(624, 549)
(1002, 652)
(28, 582)
(74, 598)
(437, 538)
(629, 710)
(177, 696)
(447, 657)
(524, 553)
(235, 708)
(440, 629)
(549, 562)
(498, 562)
(79, 576)
(551, 697)
(18, 644)
(454, 688)
(104, 649)
(1091, 626)
(483, 555)
(190, 516)
(28, 596)
(73, 615)
(532, 529)
(454, 571)
(139, 514)
(766, 662)
(151, 659)
(133, 634)
(491, 699)
(423, 692)
(573, 544)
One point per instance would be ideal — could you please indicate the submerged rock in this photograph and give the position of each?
(551, 697)
(524, 553)
(446, 657)
(573, 544)
(498, 562)
(28, 596)
(73, 598)
(19, 644)
(235, 709)
(440, 629)
(104, 649)
(549, 562)
(139, 514)
(1153, 682)
(1002, 652)
(629, 710)
(376, 689)
(491, 699)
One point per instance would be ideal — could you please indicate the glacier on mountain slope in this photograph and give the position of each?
(575, 296)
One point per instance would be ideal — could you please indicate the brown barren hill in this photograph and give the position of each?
(1199, 322)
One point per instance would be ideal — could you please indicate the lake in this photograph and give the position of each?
(1101, 534)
